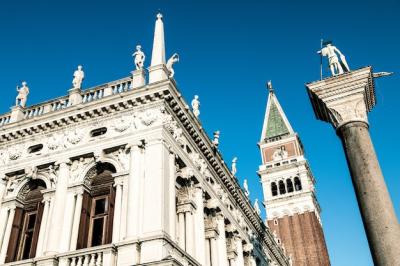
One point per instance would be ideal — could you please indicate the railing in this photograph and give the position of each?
(89, 95)
(97, 256)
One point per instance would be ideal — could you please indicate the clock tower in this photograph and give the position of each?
(293, 212)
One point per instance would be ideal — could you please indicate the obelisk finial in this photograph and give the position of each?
(269, 86)
(157, 70)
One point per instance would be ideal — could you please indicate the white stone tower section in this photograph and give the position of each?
(157, 69)
(293, 213)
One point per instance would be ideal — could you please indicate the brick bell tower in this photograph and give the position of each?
(293, 212)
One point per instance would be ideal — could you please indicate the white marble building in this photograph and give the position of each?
(123, 174)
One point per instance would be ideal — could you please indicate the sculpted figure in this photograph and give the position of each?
(139, 57)
(280, 154)
(234, 169)
(216, 138)
(196, 106)
(257, 207)
(79, 75)
(22, 95)
(172, 60)
(246, 188)
(337, 67)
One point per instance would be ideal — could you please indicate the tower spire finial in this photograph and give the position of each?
(157, 70)
(269, 86)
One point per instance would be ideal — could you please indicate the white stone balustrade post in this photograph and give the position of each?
(57, 218)
(43, 226)
(76, 220)
(117, 211)
(7, 234)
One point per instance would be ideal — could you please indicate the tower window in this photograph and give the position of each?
(282, 188)
(274, 189)
(289, 185)
(297, 184)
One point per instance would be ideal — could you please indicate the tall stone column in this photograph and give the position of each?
(117, 211)
(57, 218)
(7, 234)
(3, 183)
(171, 184)
(199, 226)
(76, 219)
(223, 256)
(239, 248)
(3, 222)
(42, 232)
(68, 221)
(344, 101)
(132, 211)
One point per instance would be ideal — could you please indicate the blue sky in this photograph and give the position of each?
(228, 50)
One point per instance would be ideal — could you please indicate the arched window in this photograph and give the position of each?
(97, 213)
(297, 184)
(289, 185)
(282, 188)
(274, 189)
(26, 224)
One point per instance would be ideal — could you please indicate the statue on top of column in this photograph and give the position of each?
(139, 57)
(337, 67)
(246, 188)
(234, 168)
(22, 95)
(196, 106)
(171, 61)
(257, 207)
(79, 75)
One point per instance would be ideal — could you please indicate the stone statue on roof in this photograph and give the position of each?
(337, 67)
(171, 61)
(79, 75)
(257, 207)
(246, 188)
(234, 169)
(139, 57)
(196, 106)
(22, 96)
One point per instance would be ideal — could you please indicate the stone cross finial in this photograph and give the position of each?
(196, 106)
(234, 169)
(22, 96)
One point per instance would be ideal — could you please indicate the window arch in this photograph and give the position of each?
(282, 188)
(297, 184)
(274, 189)
(26, 224)
(97, 212)
(289, 185)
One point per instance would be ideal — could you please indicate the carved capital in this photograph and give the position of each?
(353, 110)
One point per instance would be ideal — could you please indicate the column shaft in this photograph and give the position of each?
(68, 222)
(189, 233)
(2, 189)
(76, 221)
(208, 253)
(7, 234)
(380, 222)
(182, 237)
(3, 223)
(124, 209)
(199, 229)
(239, 246)
(53, 245)
(214, 252)
(117, 214)
(172, 204)
(133, 192)
(223, 256)
(42, 232)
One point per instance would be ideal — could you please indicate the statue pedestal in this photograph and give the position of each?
(75, 96)
(17, 113)
(138, 78)
(158, 73)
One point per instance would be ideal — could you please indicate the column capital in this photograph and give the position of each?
(63, 162)
(344, 98)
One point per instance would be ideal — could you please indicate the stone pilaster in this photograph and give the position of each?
(344, 101)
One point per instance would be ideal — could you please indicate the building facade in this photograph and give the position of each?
(293, 212)
(123, 174)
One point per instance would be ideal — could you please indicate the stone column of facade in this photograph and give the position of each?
(124, 208)
(76, 219)
(212, 235)
(181, 235)
(199, 225)
(57, 217)
(344, 101)
(7, 233)
(132, 211)
(3, 222)
(231, 245)
(68, 221)
(48, 224)
(223, 256)
(42, 232)
(172, 203)
(190, 245)
(248, 258)
(239, 248)
(214, 251)
(3, 183)
(117, 211)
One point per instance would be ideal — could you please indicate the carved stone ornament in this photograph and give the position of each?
(349, 111)
(14, 152)
(3, 157)
(148, 117)
(122, 124)
(122, 157)
(55, 141)
(77, 167)
(75, 136)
